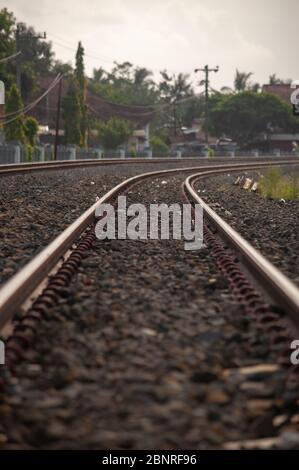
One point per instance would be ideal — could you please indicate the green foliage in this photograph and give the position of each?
(245, 116)
(211, 153)
(15, 129)
(241, 81)
(114, 132)
(275, 185)
(60, 67)
(125, 84)
(7, 22)
(31, 128)
(79, 69)
(158, 145)
(36, 59)
(7, 45)
(71, 113)
(29, 153)
(274, 80)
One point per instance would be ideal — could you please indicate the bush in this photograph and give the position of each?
(275, 185)
(114, 132)
(211, 153)
(158, 145)
(29, 149)
(31, 129)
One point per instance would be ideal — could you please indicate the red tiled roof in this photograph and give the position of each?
(45, 111)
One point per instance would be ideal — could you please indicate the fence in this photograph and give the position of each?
(10, 154)
(2, 353)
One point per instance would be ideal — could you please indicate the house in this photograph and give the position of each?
(139, 140)
(45, 112)
(192, 138)
(280, 141)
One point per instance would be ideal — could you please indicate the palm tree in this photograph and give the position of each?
(241, 81)
(274, 80)
(141, 75)
(175, 87)
(226, 90)
(99, 74)
(181, 87)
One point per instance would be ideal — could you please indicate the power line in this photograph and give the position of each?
(156, 108)
(37, 100)
(70, 48)
(92, 55)
(10, 57)
(34, 103)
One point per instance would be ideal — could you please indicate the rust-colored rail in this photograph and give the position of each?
(19, 168)
(19, 288)
(281, 289)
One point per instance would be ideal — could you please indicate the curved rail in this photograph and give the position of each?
(10, 169)
(15, 292)
(277, 285)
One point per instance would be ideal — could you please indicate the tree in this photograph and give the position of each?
(100, 75)
(274, 80)
(123, 71)
(7, 45)
(141, 76)
(31, 128)
(36, 59)
(62, 67)
(125, 85)
(80, 77)
(245, 116)
(15, 129)
(173, 89)
(114, 132)
(71, 113)
(241, 83)
(7, 22)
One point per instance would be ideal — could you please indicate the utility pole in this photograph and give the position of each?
(18, 60)
(175, 118)
(57, 118)
(206, 70)
(20, 38)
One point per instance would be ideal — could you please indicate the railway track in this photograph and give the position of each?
(19, 168)
(21, 286)
(269, 278)
(37, 287)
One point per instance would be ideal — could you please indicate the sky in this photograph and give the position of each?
(178, 35)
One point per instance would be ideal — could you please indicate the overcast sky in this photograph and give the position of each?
(179, 35)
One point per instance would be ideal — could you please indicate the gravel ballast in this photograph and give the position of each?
(271, 226)
(145, 351)
(37, 207)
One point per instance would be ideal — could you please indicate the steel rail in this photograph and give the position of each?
(18, 289)
(10, 169)
(278, 286)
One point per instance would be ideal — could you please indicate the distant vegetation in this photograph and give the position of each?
(276, 185)
(114, 132)
(242, 113)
